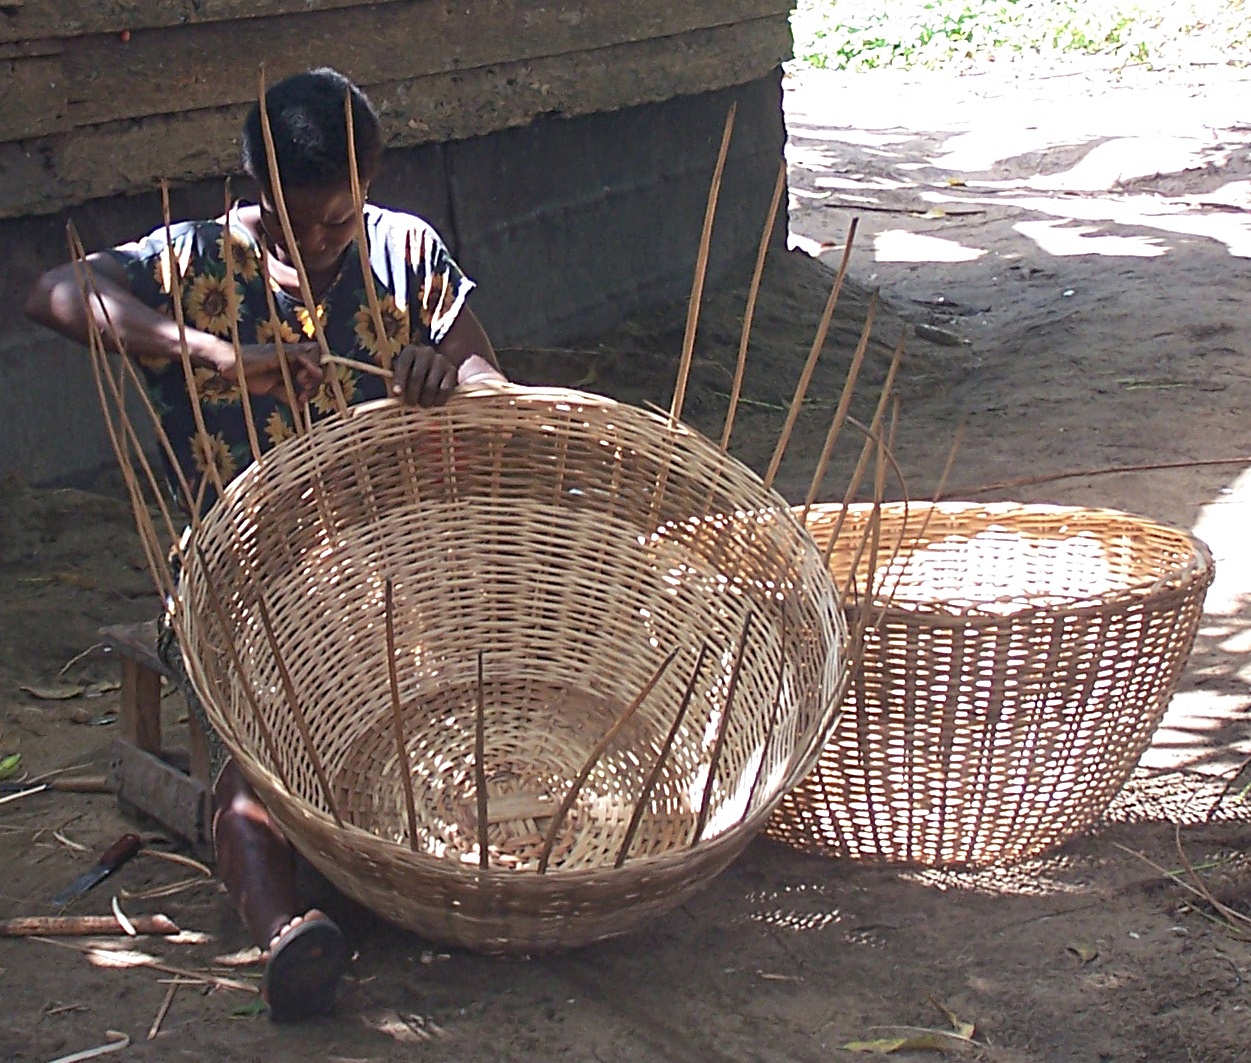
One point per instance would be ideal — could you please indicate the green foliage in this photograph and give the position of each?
(864, 34)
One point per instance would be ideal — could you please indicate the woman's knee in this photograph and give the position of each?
(236, 805)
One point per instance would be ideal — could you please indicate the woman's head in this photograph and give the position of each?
(308, 123)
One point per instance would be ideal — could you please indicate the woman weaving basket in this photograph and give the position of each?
(432, 338)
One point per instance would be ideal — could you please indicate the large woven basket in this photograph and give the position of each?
(1019, 659)
(575, 543)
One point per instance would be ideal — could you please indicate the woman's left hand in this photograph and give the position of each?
(422, 376)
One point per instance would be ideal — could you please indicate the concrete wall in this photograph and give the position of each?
(567, 224)
(107, 97)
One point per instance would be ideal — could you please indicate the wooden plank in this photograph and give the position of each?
(194, 67)
(132, 157)
(137, 642)
(139, 701)
(147, 784)
(49, 19)
(32, 97)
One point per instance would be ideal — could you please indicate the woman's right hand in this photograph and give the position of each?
(263, 369)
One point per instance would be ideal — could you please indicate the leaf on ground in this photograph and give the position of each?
(66, 691)
(1082, 951)
(116, 1042)
(107, 957)
(54, 691)
(249, 1010)
(591, 377)
(960, 1028)
(9, 765)
(390, 1023)
(920, 1041)
(79, 580)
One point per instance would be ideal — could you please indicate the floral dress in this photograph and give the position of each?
(419, 289)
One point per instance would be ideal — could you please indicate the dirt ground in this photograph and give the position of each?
(1072, 251)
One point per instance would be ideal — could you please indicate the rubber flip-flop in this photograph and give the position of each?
(304, 969)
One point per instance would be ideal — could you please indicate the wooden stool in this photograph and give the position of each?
(168, 785)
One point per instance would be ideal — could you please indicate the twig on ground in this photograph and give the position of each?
(163, 1010)
(117, 1042)
(1201, 893)
(136, 959)
(1106, 470)
(178, 858)
(1227, 789)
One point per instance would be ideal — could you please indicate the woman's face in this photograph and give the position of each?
(323, 221)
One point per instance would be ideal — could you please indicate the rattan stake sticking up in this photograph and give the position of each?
(297, 713)
(719, 742)
(358, 209)
(213, 473)
(640, 806)
(693, 306)
(843, 408)
(125, 440)
(293, 249)
(232, 312)
(302, 423)
(866, 452)
(805, 376)
(575, 787)
(479, 768)
(404, 766)
(701, 270)
(749, 314)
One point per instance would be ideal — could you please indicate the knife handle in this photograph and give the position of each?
(120, 851)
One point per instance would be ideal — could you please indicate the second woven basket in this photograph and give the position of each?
(1018, 660)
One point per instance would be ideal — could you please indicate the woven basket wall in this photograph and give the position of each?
(1026, 659)
(575, 542)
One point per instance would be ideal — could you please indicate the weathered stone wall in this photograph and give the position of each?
(100, 97)
(564, 151)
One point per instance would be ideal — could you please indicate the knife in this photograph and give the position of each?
(110, 860)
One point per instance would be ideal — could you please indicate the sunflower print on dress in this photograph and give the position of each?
(419, 287)
(395, 326)
(207, 304)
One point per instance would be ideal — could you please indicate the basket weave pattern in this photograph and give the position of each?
(575, 543)
(1016, 676)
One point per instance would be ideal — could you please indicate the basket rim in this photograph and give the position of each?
(1197, 569)
(473, 392)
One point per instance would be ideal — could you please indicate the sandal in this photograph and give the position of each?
(304, 968)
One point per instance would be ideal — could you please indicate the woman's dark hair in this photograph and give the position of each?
(309, 128)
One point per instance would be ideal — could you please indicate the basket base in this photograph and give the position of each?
(527, 778)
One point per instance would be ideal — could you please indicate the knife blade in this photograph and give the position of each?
(110, 860)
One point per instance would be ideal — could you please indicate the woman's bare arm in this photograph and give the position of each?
(127, 323)
(56, 300)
